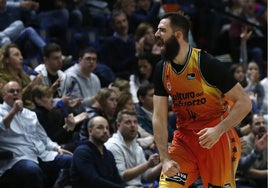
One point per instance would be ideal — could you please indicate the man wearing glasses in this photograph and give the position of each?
(81, 81)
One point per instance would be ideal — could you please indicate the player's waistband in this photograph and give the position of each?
(213, 123)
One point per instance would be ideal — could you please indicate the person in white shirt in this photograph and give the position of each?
(34, 154)
(264, 109)
(51, 72)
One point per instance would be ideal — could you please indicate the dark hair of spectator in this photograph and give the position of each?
(50, 48)
(233, 68)
(87, 50)
(151, 59)
(114, 14)
(143, 90)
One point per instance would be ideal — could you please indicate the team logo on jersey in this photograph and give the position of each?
(179, 178)
(168, 86)
(191, 76)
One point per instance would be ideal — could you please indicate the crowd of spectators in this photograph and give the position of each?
(80, 74)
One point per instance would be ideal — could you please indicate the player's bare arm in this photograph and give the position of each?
(242, 106)
(160, 117)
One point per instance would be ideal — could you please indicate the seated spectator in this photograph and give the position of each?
(52, 75)
(58, 124)
(120, 58)
(145, 139)
(258, 170)
(93, 165)
(252, 75)
(104, 104)
(264, 108)
(145, 107)
(11, 62)
(34, 154)
(246, 162)
(143, 73)
(81, 81)
(128, 7)
(238, 72)
(145, 40)
(254, 87)
(129, 157)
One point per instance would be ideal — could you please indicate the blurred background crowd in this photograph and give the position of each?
(77, 59)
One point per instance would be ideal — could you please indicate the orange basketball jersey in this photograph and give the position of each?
(197, 103)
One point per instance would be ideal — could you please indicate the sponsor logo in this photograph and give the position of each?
(191, 76)
(168, 86)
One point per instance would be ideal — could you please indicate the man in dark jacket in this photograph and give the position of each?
(93, 165)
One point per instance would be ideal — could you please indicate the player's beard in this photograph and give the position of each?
(172, 48)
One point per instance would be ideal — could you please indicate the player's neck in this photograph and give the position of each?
(182, 55)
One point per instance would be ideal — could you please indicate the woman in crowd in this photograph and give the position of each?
(11, 63)
(143, 73)
(57, 122)
(104, 104)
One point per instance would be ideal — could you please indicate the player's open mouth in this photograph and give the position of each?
(159, 42)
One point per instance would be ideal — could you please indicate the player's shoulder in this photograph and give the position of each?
(208, 60)
(205, 56)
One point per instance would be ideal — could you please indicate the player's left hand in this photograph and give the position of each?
(208, 137)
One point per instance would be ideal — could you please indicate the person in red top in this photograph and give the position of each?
(209, 103)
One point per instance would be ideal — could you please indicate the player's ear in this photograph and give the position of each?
(178, 34)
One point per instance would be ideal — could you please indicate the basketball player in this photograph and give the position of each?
(208, 102)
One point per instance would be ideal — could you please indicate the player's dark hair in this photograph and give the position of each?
(178, 22)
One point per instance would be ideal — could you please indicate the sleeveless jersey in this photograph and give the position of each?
(197, 103)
